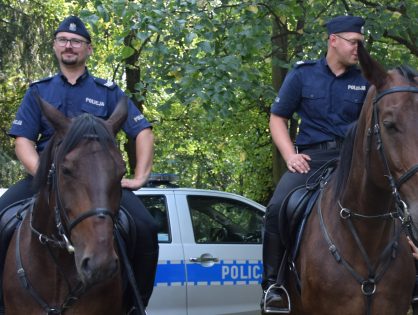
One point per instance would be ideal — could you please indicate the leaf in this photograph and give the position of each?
(127, 52)
(252, 8)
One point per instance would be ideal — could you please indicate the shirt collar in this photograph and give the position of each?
(348, 69)
(80, 78)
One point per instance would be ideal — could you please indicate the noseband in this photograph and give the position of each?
(395, 185)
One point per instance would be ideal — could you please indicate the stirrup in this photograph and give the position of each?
(274, 310)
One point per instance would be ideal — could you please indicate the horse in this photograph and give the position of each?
(354, 257)
(63, 257)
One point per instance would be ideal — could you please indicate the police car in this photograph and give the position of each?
(210, 250)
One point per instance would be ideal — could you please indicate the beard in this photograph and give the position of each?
(69, 60)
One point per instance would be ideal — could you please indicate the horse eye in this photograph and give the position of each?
(66, 170)
(389, 125)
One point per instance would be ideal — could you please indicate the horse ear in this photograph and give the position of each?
(57, 119)
(372, 70)
(119, 115)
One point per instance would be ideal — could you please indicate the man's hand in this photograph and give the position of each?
(413, 247)
(133, 183)
(298, 163)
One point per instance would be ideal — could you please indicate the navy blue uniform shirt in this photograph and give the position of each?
(326, 104)
(89, 95)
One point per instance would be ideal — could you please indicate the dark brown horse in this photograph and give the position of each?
(62, 258)
(354, 257)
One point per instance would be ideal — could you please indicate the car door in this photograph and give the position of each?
(221, 236)
(169, 295)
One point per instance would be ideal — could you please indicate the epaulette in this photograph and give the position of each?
(41, 80)
(304, 63)
(106, 83)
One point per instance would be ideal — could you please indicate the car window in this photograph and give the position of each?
(157, 206)
(224, 220)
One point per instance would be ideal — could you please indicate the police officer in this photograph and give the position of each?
(328, 95)
(74, 91)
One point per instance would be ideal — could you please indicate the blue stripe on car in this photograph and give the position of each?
(172, 273)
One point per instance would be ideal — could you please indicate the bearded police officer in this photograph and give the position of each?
(328, 95)
(74, 91)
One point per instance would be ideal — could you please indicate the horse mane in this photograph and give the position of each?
(85, 126)
(339, 179)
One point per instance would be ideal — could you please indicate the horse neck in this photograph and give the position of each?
(363, 196)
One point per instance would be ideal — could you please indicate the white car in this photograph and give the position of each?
(210, 260)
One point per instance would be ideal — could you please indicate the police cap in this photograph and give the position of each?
(345, 23)
(73, 24)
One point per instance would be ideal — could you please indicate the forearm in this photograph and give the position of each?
(144, 154)
(280, 134)
(27, 154)
(144, 149)
(295, 161)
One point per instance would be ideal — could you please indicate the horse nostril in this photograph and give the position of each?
(85, 267)
(94, 270)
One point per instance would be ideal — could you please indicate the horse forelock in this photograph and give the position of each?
(85, 126)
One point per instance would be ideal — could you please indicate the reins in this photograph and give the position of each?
(73, 294)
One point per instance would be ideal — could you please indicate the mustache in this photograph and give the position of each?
(69, 49)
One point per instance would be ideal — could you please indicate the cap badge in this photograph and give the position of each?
(72, 27)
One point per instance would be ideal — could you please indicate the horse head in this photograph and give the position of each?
(392, 138)
(83, 187)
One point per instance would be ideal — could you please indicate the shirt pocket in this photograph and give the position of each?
(96, 108)
(314, 102)
(351, 107)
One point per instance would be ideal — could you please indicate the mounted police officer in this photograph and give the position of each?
(328, 95)
(74, 91)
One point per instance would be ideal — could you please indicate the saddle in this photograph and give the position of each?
(298, 204)
(10, 217)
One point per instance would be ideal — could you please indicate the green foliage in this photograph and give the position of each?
(203, 68)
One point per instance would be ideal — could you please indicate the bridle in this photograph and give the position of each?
(64, 230)
(62, 222)
(64, 227)
(401, 206)
(375, 273)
